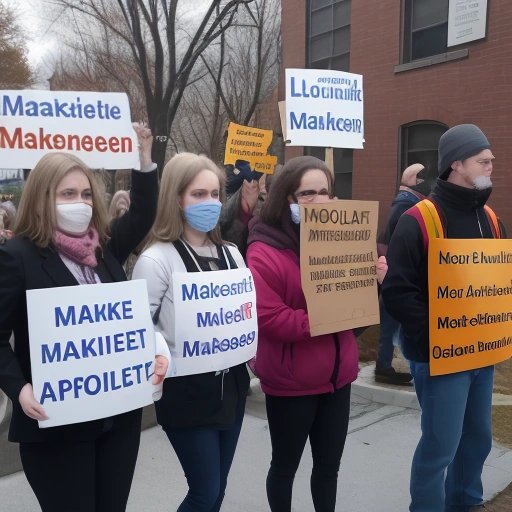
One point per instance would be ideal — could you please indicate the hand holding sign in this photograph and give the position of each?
(31, 407)
(382, 268)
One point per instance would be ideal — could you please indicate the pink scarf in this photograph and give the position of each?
(81, 249)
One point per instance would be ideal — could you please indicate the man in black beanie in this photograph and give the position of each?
(456, 407)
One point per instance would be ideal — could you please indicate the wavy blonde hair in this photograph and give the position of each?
(36, 218)
(178, 174)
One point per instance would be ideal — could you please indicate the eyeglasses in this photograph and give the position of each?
(310, 195)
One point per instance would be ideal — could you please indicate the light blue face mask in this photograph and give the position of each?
(295, 212)
(203, 216)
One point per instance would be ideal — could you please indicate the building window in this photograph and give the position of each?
(329, 48)
(419, 143)
(425, 28)
(343, 164)
(329, 34)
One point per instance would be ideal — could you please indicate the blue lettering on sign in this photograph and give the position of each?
(216, 345)
(93, 314)
(223, 317)
(93, 384)
(322, 123)
(213, 291)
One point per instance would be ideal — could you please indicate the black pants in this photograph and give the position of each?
(291, 420)
(83, 476)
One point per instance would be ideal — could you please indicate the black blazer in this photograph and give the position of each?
(24, 266)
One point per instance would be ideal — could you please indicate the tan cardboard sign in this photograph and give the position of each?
(470, 303)
(338, 256)
(251, 144)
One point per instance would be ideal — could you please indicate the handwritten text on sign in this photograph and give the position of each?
(218, 325)
(91, 349)
(250, 144)
(470, 303)
(95, 127)
(338, 264)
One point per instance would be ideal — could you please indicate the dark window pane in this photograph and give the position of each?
(419, 145)
(341, 63)
(321, 47)
(342, 13)
(429, 12)
(431, 41)
(424, 136)
(320, 64)
(343, 185)
(341, 40)
(315, 4)
(321, 21)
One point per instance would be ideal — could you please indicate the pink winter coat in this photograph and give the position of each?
(289, 362)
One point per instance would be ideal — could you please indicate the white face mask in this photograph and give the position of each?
(73, 218)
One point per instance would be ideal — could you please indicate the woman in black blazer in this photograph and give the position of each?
(62, 238)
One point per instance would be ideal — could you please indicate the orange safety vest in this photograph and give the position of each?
(431, 225)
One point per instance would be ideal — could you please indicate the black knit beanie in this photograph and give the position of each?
(458, 143)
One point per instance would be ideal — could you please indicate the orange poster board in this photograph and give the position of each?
(251, 144)
(470, 303)
(338, 255)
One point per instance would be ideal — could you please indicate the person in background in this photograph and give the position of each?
(7, 216)
(306, 379)
(243, 194)
(201, 413)
(62, 239)
(413, 188)
(456, 429)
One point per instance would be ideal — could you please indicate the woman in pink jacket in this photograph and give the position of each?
(306, 379)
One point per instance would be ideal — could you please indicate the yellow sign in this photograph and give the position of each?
(251, 144)
(338, 256)
(470, 303)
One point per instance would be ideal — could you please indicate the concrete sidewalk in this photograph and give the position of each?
(374, 475)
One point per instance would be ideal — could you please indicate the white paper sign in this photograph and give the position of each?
(216, 323)
(94, 126)
(466, 21)
(92, 350)
(324, 108)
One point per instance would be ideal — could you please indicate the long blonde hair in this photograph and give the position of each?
(36, 217)
(177, 175)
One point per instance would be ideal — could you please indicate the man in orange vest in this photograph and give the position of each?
(456, 434)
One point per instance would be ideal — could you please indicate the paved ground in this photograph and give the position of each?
(374, 472)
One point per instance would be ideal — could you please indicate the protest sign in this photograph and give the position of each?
(251, 144)
(218, 325)
(94, 126)
(91, 349)
(470, 303)
(338, 256)
(324, 108)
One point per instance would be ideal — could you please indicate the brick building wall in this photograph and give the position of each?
(475, 89)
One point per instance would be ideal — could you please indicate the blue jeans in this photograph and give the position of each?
(389, 328)
(205, 455)
(456, 437)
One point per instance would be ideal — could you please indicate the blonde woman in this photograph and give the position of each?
(201, 413)
(62, 240)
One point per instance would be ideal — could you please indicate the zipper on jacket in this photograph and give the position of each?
(336, 369)
(223, 372)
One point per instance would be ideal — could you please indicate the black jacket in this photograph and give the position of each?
(24, 266)
(405, 287)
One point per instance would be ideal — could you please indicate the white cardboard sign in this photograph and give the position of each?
(92, 350)
(324, 108)
(216, 323)
(94, 126)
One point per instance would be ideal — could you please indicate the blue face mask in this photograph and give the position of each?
(203, 216)
(295, 212)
